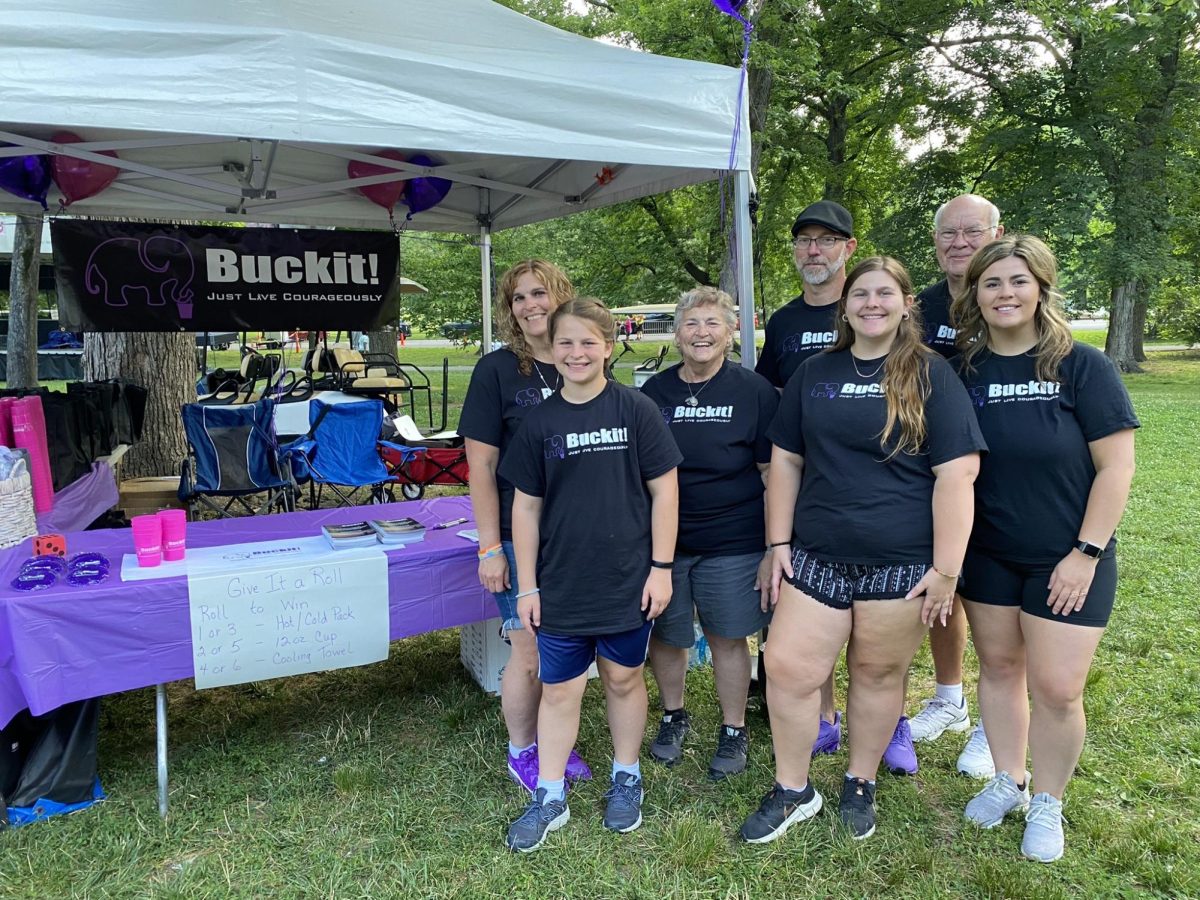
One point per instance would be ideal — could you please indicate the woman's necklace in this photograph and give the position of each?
(862, 374)
(692, 398)
(545, 384)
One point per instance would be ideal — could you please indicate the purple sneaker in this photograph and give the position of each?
(900, 757)
(524, 768)
(577, 769)
(829, 737)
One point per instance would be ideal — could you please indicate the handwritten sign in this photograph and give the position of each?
(282, 617)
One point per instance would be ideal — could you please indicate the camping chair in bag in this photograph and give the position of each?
(233, 456)
(339, 451)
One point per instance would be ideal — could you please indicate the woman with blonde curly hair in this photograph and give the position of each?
(869, 504)
(505, 385)
(1040, 574)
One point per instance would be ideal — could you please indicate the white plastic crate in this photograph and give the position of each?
(485, 654)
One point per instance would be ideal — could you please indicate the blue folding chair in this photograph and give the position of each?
(233, 457)
(339, 451)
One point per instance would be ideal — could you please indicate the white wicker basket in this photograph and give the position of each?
(17, 520)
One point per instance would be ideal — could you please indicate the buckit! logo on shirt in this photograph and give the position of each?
(978, 395)
(794, 343)
(529, 397)
(827, 390)
(666, 413)
(833, 390)
(1022, 392)
(554, 447)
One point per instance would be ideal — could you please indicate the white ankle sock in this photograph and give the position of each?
(952, 693)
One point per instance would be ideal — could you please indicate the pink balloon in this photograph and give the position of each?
(387, 194)
(79, 179)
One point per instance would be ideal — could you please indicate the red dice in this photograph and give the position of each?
(50, 545)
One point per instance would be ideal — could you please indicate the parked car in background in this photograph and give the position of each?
(461, 331)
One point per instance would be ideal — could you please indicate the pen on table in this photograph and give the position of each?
(450, 523)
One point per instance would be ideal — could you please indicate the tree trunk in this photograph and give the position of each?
(23, 301)
(163, 363)
(382, 341)
(1120, 345)
(1139, 328)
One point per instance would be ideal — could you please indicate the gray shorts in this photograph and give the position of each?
(720, 589)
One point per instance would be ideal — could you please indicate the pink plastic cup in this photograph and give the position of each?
(174, 533)
(147, 540)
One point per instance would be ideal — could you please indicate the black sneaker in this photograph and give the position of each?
(624, 810)
(730, 758)
(778, 810)
(668, 746)
(540, 818)
(857, 807)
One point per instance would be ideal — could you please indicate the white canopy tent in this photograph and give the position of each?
(250, 110)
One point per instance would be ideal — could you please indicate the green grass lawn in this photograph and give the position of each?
(388, 780)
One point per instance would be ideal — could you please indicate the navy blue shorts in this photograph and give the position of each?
(997, 582)
(562, 657)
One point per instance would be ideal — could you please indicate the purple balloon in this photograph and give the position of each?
(421, 194)
(730, 7)
(26, 176)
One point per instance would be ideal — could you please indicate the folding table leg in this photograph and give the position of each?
(160, 711)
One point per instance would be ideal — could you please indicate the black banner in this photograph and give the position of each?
(117, 276)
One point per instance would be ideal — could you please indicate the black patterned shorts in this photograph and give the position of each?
(838, 585)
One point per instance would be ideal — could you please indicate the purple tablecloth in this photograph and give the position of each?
(70, 643)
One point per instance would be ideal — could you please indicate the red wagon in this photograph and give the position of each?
(413, 468)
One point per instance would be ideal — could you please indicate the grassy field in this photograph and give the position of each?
(388, 781)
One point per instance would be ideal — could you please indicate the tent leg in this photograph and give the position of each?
(485, 284)
(160, 715)
(743, 239)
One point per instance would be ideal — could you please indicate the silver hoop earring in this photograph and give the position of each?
(845, 318)
(905, 317)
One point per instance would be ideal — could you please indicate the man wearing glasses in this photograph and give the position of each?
(960, 227)
(822, 241)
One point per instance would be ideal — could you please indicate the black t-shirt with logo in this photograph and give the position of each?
(854, 504)
(1033, 486)
(589, 463)
(722, 438)
(794, 333)
(935, 303)
(498, 399)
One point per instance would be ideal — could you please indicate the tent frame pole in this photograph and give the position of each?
(743, 254)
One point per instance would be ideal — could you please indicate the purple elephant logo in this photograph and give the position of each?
(978, 395)
(162, 273)
(828, 390)
(666, 413)
(529, 397)
(554, 447)
(791, 344)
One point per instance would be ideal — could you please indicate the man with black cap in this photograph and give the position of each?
(822, 241)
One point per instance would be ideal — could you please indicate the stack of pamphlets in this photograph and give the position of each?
(398, 531)
(353, 534)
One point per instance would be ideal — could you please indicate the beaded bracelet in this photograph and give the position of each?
(490, 552)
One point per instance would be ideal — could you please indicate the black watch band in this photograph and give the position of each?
(1089, 549)
(655, 564)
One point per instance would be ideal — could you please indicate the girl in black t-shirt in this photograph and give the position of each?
(505, 385)
(1040, 573)
(869, 503)
(594, 522)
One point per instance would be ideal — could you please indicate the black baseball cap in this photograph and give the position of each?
(828, 214)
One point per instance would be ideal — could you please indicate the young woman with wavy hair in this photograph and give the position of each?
(869, 503)
(1040, 574)
(505, 385)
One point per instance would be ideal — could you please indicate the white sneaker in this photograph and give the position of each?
(999, 797)
(976, 758)
(938, 716)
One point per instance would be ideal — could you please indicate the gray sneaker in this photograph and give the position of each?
(540, 818)
(624, 810)
(999, 797)
(1043, 841)
(668, 745)
(730, 758)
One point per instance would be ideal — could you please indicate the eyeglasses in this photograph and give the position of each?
(972, 235)
(825, 241)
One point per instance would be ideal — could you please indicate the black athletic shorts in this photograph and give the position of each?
(997, 582)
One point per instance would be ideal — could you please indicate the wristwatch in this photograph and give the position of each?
(1089, 550)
